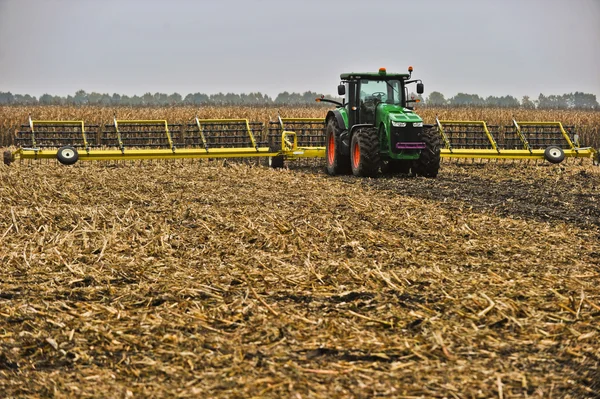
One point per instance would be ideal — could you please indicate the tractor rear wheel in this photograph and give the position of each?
(337, 163)
(364, 152)
(428, 164)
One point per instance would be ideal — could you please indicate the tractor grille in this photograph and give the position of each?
(406, 134)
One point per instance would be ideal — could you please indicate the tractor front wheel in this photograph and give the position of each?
(428, 164)
(364, 152)
(337, 163)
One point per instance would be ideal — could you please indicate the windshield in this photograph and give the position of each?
(386, 91)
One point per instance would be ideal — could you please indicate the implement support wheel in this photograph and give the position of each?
(554, 154)
(67, 155)
(364, 152)
(7, 157)
(277, 161)
(428, 164)
(337, 163)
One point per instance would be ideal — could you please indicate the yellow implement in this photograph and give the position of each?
(291, 138)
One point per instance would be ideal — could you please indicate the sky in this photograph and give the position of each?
(485, 47)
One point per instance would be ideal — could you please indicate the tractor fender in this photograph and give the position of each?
(338, 117)
(353, 129)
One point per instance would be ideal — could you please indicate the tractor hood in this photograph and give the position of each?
(406, 115)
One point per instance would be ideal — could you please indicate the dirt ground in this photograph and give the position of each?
(238, 281)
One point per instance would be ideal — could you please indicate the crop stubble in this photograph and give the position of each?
(197, 279)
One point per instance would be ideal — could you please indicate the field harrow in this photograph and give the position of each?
(280, 140)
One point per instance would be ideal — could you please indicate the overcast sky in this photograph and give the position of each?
(487, 47)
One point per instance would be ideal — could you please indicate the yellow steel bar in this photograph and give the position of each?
(250, 134)
(204, 143)
(286, 145)
(512, 154)
(33, 143)
(134, 154)
(57, 122)
(462, 122)
(443, 134)
(303, 120)
(85, 143)
(299, 152)
(490, 137)
(141, 121)
(305, 152)
(522, 136)
(121, 147)
(240, 120)
(169, 137)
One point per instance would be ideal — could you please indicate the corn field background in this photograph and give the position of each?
(586, 123)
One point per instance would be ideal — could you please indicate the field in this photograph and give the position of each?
(232, 280)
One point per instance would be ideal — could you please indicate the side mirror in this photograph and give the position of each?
(420, 88)
(341, 90)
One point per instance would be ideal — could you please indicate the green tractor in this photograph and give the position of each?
(375, 128)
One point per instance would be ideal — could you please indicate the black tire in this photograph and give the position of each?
(7, 157)
(364, 152)
(428, 164)
(276, 162)
(554, 154)
(67, 155)
(337, 163)
(396, 166)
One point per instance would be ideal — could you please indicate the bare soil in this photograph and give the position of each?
(237, 281)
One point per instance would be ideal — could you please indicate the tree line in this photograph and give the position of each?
(578, 100)
(160, 99)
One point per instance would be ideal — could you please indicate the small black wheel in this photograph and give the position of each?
(7, 157)
(67, 155)
(276, 162)
(554, 154)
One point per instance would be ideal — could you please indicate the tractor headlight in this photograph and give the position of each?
(398, 124)
(418, 124)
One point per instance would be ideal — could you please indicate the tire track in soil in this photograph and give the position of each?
(575, 200)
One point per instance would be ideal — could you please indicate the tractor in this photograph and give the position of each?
(375, 128)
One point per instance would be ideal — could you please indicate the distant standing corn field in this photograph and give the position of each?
(587, 123)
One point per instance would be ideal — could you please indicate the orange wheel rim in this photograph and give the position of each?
(355, 155)
(331, 150)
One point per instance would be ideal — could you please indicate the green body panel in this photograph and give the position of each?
(379, 105)
(384, 116)
(344, 115)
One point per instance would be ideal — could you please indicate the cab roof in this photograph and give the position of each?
(373, 75)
